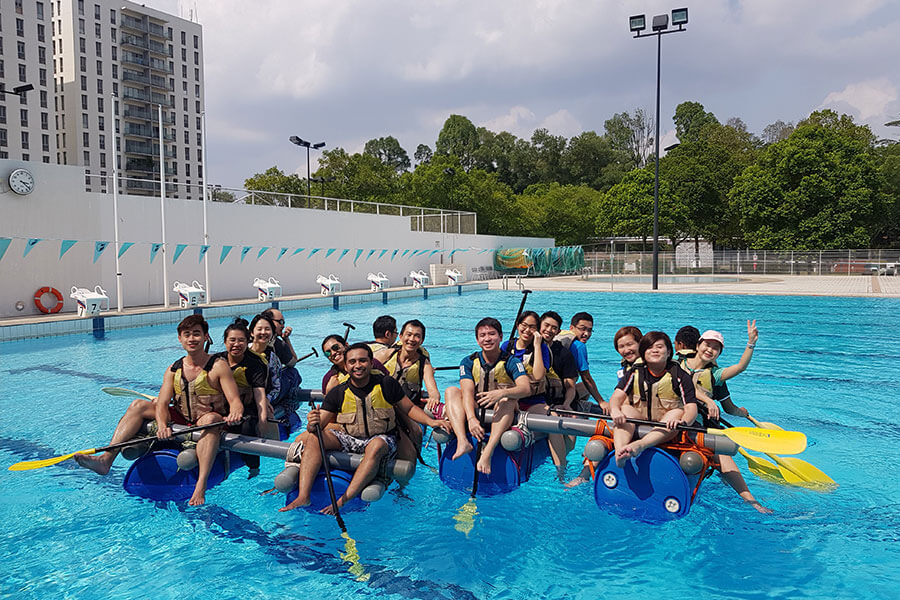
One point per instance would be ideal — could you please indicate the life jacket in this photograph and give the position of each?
(538, 388)
(239, 372)
(376, 346)
(556, 389)
(702, 377)
(409, 377)
(491, 377)
(369, 417)
(656, 399)
(193, 399)
(565, 338)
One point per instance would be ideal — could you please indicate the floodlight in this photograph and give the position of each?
(660, 22)
(679, 16)
(637, 23)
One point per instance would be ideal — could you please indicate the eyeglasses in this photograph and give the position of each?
(527, 326)
(584, 329)
(279, 321)
(334, 349)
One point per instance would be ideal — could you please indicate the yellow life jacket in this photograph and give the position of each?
(369, 417)
(657, 399)
(497, 378)
(540, 386)
(410, 377)
(702, 377)
(239, 372)
(376, 346)
(193, 399)
(565, 338)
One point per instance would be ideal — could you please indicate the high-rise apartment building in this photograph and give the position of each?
(112, 65)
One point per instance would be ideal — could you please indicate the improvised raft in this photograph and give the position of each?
(658, 486)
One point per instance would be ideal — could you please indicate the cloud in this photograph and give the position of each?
(518, 121)
(562, 122)
(867, 99)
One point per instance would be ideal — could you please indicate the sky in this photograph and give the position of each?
(347, 71)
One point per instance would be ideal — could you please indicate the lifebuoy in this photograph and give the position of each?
(39, 295)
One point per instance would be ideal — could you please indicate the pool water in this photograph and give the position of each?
(824, 366)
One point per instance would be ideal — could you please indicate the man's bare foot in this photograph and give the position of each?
(295, 504)
(484, 464)
(632, 450)
(329, 510)
(576, 482)
(198, 499)
(463, 447)
(97, 464)
(561, 472)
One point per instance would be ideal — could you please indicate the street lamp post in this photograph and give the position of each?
(323, 181)
(19, 90)
(301, 142)
(659, 26)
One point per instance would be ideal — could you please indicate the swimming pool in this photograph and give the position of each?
(664, 279)
(823, 366)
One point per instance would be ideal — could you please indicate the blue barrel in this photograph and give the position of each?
(155, 475)
(652, 488)
(508, 469)
(319, 496)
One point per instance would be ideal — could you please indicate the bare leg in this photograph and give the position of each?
(130, 423)
(408, 444)
(456, 412)
(622, 435)
(365, 472)
(556, 441)
(732, 476)
(310, 463)
(503, 418)
(207, 447)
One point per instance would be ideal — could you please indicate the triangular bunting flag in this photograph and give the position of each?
(343, 254)
(313, 251)
(297, 251)
(224, 255)
(244, 252)
(99, 247)
(31, 243)
(154, 248)
(369, 255)
(178, 250)
(485, 250)
(261, 252)
(4, 244)
(394, 255)
(203, 250)
(433, 252)
(65, 245)
(330, 252)
(383, 252)
(358, 254)
(405, 252)
(123, 247)
(281, 253)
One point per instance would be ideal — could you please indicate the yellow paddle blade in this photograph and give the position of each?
(351, 555)
(762, 468)
(30, 465)
(767, 441)
(465, 517)
(801, 473)
(125, 392)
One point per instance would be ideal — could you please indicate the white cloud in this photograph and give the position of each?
(562, 122)
(518, 121)
(867, 98)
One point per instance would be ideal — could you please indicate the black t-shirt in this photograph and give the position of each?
(255, 370)
(390, 389)
(563, 361)
(683, 384)
(283, 351)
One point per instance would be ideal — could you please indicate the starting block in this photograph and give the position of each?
(89, 303)
(378, 281)
(329, 285)
(189, 295)
(267, 290)
(454, 276)
(419, 278)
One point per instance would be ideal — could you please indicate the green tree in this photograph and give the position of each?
(358, 176)
(423, 154)
(389, 151)
(589, 159)
(690, 118)
(631, 135)
(459, 138)
(274, 180)
(819, 188)
(565, 212)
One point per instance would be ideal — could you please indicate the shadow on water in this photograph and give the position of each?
(102, 379)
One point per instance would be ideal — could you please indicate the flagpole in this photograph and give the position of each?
(115, 186)
(205, 196)
(162, 208)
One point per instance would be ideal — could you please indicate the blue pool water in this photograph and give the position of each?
(824, 366)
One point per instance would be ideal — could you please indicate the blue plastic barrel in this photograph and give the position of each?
(508, 469)
(319, 496)
(155, 475)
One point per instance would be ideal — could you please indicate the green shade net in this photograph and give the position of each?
(539, 261)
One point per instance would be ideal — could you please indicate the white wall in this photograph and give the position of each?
(59, 208)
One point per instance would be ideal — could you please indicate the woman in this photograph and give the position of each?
(710, 381)
(250, 375)
(529, 347)
(262, 338)
(655, 389)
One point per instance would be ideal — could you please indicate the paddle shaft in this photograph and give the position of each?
(328, 480)
(138, 441)
(638, 421)
(347, 329)
(305, 356)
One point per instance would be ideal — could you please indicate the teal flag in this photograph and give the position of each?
(31, 243)
(343, 254)
(371, 252)
(178, 250)
(154, 248)
(433, 252)
(4, 244)
(297, 251)
(394, 255)
(358, 254)
(405, 252)
(63, 246)
(203, 250)
(123, 247)
(281, 253)
(261, 252)
(224, 255)
(313, 251)
(383, 252)
(244, 252)
(99, 247)
(485, 250)
(329, 252)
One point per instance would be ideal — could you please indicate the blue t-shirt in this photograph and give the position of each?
(514, 367)
(545, 351)
(579, 351)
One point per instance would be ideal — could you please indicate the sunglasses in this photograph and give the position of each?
(279, 321)
(334, 349)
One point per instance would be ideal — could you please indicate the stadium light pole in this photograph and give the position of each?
(301, 142)
(659, 26)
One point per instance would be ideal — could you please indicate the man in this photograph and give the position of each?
(203, 391)
(290, 377)
(363, 406)
(562, 374)
(492, 379)
(575, 339)
(385, 331)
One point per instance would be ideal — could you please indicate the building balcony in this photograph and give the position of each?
(134, 41)
(160, 65)
(134, 59)
(134, 76)
(158, 48)
(135, 95)
(161, 99)
(157, 30)
(159, 82)
(128, 22)
(137, 114)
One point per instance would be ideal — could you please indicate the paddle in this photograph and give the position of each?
(759, 440)
(465, 516)
(126, 393)
(794, 470)
(28, 465)
(305, 356)
(347, 330)
(350, 553)
(447, 368)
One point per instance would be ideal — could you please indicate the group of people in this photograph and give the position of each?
(378, 394)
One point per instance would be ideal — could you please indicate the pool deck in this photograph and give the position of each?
(868, 286)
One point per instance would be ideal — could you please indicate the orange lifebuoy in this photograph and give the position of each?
(39, 295)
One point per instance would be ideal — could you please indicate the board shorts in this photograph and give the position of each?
(358, 445)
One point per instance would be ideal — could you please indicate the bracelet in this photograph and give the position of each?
(751, 346)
